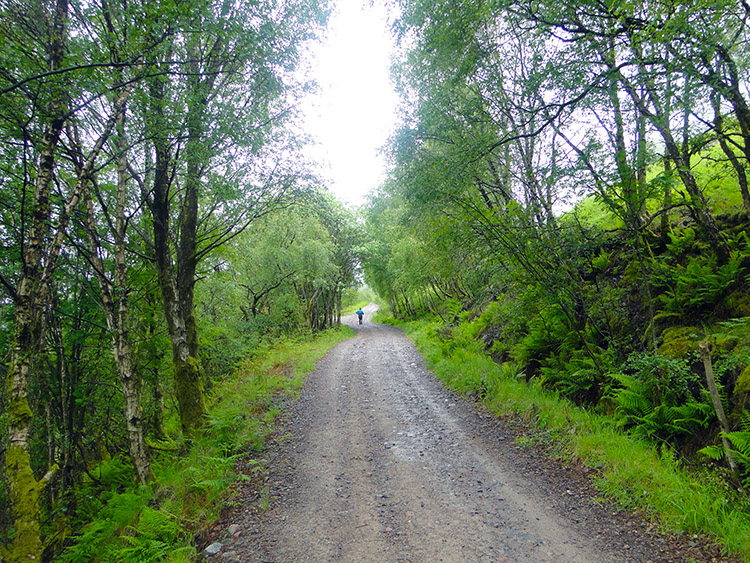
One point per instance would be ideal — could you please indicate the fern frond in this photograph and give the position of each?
(632, 403)
(713, 452)
(745, 420)
(740, 441)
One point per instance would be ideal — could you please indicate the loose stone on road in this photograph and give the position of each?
(383, 464)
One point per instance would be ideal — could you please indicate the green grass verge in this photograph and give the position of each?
(194, 482)
(636, 474)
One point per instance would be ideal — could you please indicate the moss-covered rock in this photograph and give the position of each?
(738, 304)
(743, 382)
(724, 343)
(680, 341)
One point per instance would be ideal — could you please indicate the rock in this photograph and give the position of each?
(233, 529)
(679, 341)
(213, 549)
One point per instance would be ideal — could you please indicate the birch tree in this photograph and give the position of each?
(212, 112)
(47, 91)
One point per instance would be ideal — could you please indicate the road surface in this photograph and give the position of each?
(380, 463)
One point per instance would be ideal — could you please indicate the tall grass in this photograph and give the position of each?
(194, 482)
(634, 473)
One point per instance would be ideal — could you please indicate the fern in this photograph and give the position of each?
(681, 241)
(713, 452)
(740, 451)
(632, 405)
(212, 485)
(152, 539)
(745, 421)
(646, 404)
(699, 285)
(669, 422)
(579, 379)
(95, 543)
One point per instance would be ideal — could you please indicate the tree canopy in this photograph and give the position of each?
(149, 161)
(568, 185)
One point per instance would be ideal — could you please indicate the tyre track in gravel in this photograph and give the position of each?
(383, 464)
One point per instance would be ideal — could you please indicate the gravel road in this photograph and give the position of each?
(378, 462)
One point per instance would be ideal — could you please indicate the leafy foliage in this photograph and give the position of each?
(740, 451)
(124, 523)
(698, 287)
(593, 259)
(153, 539)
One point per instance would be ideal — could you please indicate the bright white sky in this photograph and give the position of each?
(354, 112)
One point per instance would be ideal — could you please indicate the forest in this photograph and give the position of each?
(158, 226)
(567, 198)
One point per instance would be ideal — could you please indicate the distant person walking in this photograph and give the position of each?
(360, 314)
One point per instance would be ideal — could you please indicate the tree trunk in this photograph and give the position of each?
(131, 391)
(181, 326)
(31, 298)
(129, 376)
(659, 115)
(114, 301)
(728, 84)
(667, 201)
(189, 380)
(739, 168)
(716, 400)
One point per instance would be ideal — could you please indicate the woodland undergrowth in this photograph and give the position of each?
(638, 474)
(195, 481)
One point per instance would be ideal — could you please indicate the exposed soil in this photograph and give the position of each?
(378, 462)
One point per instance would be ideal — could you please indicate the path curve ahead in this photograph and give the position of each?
(383, 464)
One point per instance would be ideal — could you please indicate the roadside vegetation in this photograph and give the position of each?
(194, 483)
(564, 231)
(160, 232)
(638, 474)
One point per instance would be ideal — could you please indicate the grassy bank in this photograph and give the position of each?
(636, 474)
(194, 482)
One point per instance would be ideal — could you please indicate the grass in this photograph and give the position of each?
(634, 473)
(719, 183)
(195, 482)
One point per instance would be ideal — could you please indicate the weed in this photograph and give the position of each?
(265, 498)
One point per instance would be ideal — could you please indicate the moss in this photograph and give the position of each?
(190, 395)
(679, 341)
(725, 343)
(633, 272)
(24, 496)
(19, 410)
(743, 382)
(738, 304)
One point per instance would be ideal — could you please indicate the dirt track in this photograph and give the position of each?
(380, 463)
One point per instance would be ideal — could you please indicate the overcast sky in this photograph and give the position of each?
(354, 112)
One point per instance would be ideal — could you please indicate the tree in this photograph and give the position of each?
(41, 242)
(93, 136)
(229, 78)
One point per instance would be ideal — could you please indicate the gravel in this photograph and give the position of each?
(378, 462)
